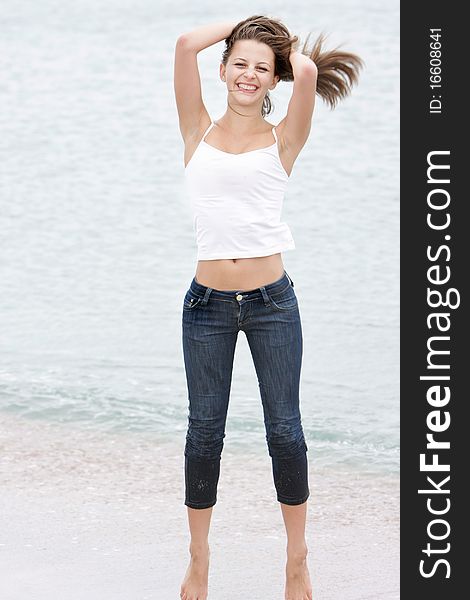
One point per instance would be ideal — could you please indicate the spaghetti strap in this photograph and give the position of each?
(207, 130)
(274, 133)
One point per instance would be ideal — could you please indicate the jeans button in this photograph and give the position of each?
(239, 297)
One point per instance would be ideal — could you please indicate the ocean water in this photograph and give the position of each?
(96, 241)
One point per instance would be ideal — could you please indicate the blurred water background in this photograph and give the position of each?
(96, 241)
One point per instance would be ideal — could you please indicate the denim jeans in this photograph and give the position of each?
(211, 319)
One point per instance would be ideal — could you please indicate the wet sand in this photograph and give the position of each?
(93, 516)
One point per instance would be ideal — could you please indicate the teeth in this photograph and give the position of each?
(247, 87)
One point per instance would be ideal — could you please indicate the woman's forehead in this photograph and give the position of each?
(253, 50)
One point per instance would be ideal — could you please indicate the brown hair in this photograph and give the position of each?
(337, 70)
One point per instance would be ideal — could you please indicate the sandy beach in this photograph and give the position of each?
(98, 516)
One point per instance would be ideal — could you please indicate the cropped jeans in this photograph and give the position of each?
(211, 319)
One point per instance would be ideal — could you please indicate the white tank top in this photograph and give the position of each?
(236, 200)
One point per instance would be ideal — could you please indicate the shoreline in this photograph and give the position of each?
(89, 516)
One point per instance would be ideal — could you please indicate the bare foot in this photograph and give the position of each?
(195, 583)
(298, 585)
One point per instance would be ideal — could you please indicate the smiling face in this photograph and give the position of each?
(249, 72)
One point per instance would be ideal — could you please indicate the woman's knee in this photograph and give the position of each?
(204, 440)
(286, 440)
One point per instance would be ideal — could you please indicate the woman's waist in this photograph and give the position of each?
(240, 273)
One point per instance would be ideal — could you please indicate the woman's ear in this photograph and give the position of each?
(222, 72)
(274, 84)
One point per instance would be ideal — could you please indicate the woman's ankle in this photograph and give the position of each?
(298, 551)
(198, 548)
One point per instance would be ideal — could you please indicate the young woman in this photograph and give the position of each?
(236, 171)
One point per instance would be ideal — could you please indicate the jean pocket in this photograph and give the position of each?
(191, 300)
(285, 300)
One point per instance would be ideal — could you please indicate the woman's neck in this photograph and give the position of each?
(241, 123)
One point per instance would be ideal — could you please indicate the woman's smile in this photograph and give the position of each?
(249, 89)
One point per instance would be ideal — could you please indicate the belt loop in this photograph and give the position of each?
(265, 295)
(205, 300)
(288, 277)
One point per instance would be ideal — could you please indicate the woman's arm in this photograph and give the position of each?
(187, 82)
(202, 37)
(296, 124)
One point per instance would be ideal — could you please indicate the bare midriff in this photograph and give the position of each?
(241, 274)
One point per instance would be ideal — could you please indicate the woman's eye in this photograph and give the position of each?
(242, 65)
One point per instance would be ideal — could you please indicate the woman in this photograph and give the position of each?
(236, 171)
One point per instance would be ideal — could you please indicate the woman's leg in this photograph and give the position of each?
(209, 340)
(194, 585)
(295, 518)
(274, 335)
(298, 584)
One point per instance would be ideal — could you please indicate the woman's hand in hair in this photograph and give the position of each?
(297, 58)
(295, 42)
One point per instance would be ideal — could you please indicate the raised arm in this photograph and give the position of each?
(295, 126)
(187, 82)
